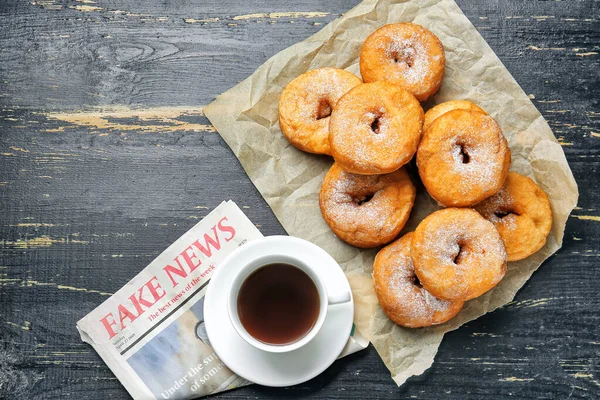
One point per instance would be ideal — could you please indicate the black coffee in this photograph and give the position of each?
(278, 304)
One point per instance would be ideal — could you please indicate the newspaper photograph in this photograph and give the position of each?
(151, 332)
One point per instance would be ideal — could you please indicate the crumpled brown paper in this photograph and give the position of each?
(246, 117)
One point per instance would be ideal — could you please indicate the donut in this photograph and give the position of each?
(401, 296)
(521, 213)
(407, 55)
(458, 254)
(463, 158)
(305, 105)
(366, 210)
(443, 108)
(375, 128)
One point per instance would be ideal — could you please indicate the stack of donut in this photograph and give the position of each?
(373, 127)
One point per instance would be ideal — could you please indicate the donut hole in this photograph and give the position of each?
(404, 55)
(463, 155)
(375, 125)
(323, 110)
(360, 200)
(501, 214)
(459, 254)
(377, 122)
(416, 282)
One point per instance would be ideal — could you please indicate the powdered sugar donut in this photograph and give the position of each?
(458, 254)
(306, 104)
(366, 210)
(433, 113)
(521, 213)
(407, 55)
(375, 128)
(401, 295)
(463, 158)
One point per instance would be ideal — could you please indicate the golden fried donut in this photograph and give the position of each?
(366, 210)
(306, 103)
(433, 113)
(463, 158)
(407, 55)
(521, 213)
(458, 254)
(400, 293)
(375, 128)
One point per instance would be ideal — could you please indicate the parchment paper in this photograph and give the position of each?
(246, 117)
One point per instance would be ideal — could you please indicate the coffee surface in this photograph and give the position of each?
(278, 304)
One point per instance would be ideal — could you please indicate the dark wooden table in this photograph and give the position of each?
(88, 199)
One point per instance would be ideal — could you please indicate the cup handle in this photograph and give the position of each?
(339, 298)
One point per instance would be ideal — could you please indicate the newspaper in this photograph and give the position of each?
(151, 333)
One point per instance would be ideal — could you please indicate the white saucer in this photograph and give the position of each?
(278, 369)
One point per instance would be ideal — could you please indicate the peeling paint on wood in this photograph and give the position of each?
(588, 217)
(33, 224)
(37, 242)
(86, 8)
(165, 120)
(33, 283)
(515, 379)
(204, 20)
(277, 15)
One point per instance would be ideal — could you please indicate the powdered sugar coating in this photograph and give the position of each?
(435, 112)
(407, 55)
(356, 217)
(306, 103)
(458, 255)
(402, 298)
(375, 128)
(463, 158)
(521, 212)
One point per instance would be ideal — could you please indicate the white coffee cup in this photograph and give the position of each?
(287, 250)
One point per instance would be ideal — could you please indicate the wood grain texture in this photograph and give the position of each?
(88, 199)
